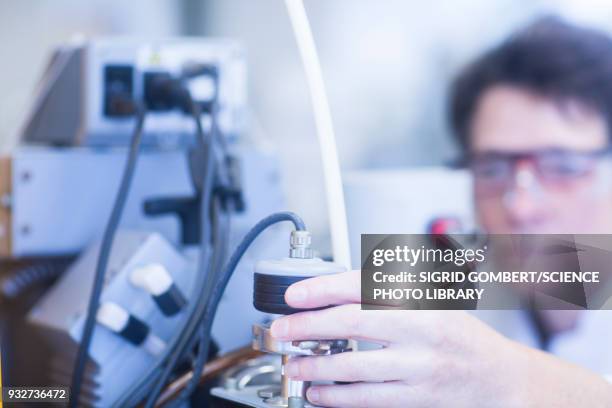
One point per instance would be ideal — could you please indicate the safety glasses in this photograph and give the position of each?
(496, 172)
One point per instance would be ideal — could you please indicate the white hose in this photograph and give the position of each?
(325, 131)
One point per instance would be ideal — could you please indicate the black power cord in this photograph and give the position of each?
(221, 284)
(174, 92)
(199, 324)
(219, 254)
(105, 251)
(215, 297)
(219, 194)
(211, 244)
(182, 344)
(206, 275)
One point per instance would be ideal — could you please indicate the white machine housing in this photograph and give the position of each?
(70, 106)
(405, 201)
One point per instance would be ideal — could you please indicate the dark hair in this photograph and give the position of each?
(548, 57)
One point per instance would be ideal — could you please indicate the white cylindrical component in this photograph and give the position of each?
(308, 267)
(327, 142)
(153, 278)
(112, 316)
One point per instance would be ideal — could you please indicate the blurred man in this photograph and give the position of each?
(534, 117)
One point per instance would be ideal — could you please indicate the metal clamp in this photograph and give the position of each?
(263, 341)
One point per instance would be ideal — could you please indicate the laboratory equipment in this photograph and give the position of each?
(180, 104)
(167, 288)
(272, 278)
(86, 94)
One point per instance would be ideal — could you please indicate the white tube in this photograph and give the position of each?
(325, 131)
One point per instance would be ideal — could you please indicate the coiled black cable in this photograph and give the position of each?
(23, 279)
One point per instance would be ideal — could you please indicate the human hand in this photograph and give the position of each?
(427, 359)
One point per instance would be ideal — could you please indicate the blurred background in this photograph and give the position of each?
(387, 65)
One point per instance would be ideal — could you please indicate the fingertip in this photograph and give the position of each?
(313, 394)
(279, 328)
(296, 295)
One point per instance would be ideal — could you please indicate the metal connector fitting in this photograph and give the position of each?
(300, 245)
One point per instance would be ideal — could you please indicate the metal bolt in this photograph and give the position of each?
(300, 239)
(300, 245)
(26, 176)
(25, 230)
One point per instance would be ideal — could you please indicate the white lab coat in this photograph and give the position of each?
(589, 344)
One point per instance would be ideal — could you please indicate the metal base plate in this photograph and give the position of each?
(249, 396)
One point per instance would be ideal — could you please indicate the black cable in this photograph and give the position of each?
(221, 284)
(177, 348)
(184, 342)
(181, 345)
(103, 257)
(189, 335)
(219, 254)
